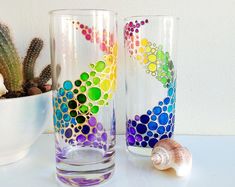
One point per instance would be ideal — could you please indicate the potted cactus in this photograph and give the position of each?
(25, 99)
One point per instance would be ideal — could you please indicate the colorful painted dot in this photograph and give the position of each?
(94, 93)
(68, 85)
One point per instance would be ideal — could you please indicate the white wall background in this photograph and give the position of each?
(206, 54)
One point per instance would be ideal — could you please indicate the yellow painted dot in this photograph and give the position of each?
(152, 58)
(148, 49)
(152, 67)
(141, 49)
(107, 70)
(153, 50)
(105, 85)
(144, 42)
(115, 50)
(138, 57)
(145, 61)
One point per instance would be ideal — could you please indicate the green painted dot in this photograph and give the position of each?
(84, 76)
(165, 68)
(81, 98)
(101, 102)
(73, 113)
(92, 66)
(75, 91)
(90, 104)
(83, 109)
(95, 109)
(96, 80)
(92, 73)
(106, 96)
(82, 88)
(88, 83)
(72, 104)
(94, 93)
(163, 80)
(160, 55)
(99, 67)
(78, 83)
(80, 119)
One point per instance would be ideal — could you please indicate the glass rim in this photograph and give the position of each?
(87, 12)
(152, 16)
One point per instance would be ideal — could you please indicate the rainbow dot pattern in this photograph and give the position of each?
(77, 103)
(157, 123)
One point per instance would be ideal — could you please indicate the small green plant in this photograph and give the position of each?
(19, 78)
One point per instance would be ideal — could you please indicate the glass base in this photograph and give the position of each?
(13, 157)
(143, 151)
(85, 167)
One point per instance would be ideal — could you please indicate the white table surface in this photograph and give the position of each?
(213, 166)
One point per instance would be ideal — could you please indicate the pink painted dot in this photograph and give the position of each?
(81, 26)
(131, 24)
(103, 46)
(89, 30)
(142, 22)
(137, 43)
(88, 36)
(137, 25)
(136, 30)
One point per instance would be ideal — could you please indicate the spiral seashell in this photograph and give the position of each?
(3, 89)
(168, 153)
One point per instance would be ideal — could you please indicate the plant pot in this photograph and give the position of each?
(22, 120)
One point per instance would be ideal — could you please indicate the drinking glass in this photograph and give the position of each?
(150, 55)
(83, 55)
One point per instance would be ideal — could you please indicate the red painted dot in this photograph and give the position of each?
(81, 26)
(84, 32)
(88, 36)
(89, 30)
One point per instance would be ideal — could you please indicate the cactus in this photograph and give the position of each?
(20, 82)
(30, 59)
(10, 66)
(44, 76)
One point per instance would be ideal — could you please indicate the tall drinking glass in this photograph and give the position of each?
(83, 54)
(150, 54)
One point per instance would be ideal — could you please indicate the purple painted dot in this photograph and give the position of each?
(137, 118)
(99, 139)
(136, 30)
(94, 131)
(86, 143)
(99, 126)
(152, 142)
(138, 138)
(132, 29)
(71, 141)
(142, 22)
(68, 133)
(92, 121)
(131, 140)
(134, 123)
(129, 121)
(104, 136)
(105, 147)
(81, 138)
(132, 130)
(91, 137)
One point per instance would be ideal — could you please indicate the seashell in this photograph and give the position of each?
(3, 89)
(167, 153)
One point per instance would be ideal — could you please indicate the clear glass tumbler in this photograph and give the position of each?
(83, 54)
(150, 54)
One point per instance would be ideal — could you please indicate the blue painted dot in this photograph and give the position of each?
(163, 118)
(73, 121)
(170, 108)
(85, 129)
(133, 123)
(170, 92)
(69, 95)
(172, 100)
(58, 124)
(166, 100)
(68, 85)
(160, 103)
(164, 108)
(66, 124)
(161, 130)
(163, 137)
(155, 135)
(141, 128)
(149, 133)
(56, 105)
(168, 128)
(137, 143)
(61, 92)
(64, 99)
(170, 134)
(152, 125)
(144, 119)
(153, 117)
(157, 110)
(68, 133)
(173, 128)
(170, 116)
(146, 138)
(58, 114)
(152, 142)
(59, 101)
(62, 131)
(149, 112)
(66, 117)
(143, 144)
(64, 107)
